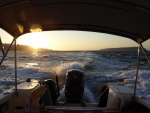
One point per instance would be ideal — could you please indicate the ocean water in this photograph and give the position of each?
(100, 68)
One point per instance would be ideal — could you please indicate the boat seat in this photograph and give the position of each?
(36, 94)
(103, 96)
(50, 96)
(47, 97)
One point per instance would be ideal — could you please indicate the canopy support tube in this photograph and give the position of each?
(15, 55)
(7, 51)
(137, 71)
(144, 53)
(1, 45)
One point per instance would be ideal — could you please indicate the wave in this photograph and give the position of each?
(98, 68)
(64, 67)
(32, 64)
(143, 84)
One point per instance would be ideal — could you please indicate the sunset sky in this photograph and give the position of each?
(72, 40)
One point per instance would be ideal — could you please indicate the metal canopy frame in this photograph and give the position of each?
(15, 58)
(129, 18)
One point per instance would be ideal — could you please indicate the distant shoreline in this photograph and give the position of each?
(23, 48)
(29, 48)
(121, 49)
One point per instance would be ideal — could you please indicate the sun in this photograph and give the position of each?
(35, 40)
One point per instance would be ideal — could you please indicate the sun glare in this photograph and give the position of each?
(35, 40)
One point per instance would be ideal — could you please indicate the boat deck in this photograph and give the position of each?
(143, 101)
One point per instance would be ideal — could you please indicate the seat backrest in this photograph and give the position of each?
(37, 93)
(52, 89)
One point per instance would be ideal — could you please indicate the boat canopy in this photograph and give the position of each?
(128, 18)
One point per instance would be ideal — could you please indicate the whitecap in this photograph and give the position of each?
(64, 67)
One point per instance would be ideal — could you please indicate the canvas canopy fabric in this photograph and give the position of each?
(128, 18)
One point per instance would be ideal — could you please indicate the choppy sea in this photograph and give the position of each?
(99, 69)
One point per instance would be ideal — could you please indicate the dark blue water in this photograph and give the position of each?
(99, 68)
